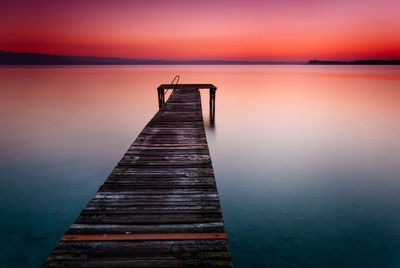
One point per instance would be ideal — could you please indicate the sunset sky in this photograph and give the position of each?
(283, 30)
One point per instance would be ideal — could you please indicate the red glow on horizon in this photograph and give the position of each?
(285, 30)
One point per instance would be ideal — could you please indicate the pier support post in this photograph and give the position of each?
(212, 105)
(161, 97)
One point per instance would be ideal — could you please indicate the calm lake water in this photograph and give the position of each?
(307, 158)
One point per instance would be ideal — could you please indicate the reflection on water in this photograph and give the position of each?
(307, 158)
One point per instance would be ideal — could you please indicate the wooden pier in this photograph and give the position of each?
(159, 207)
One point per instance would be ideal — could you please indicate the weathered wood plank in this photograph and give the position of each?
(211, 227)
(142, 237)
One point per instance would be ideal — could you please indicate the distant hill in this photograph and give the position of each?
(356, 62)
(12, 58)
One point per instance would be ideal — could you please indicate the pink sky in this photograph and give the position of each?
(285, 30)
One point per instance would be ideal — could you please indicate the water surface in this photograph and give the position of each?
(307, 158)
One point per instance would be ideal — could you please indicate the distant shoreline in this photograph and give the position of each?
(356, 62)
(14, 58)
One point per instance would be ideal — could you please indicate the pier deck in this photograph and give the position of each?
(159, 207)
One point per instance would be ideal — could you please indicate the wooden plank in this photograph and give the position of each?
(145, 246)
(147, 237)
(170, 145)
(159, 207)
(95, 228)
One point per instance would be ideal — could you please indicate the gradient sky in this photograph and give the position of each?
(288, 30)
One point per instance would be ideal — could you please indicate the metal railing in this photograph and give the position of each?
(162, 92)
(177, 77)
